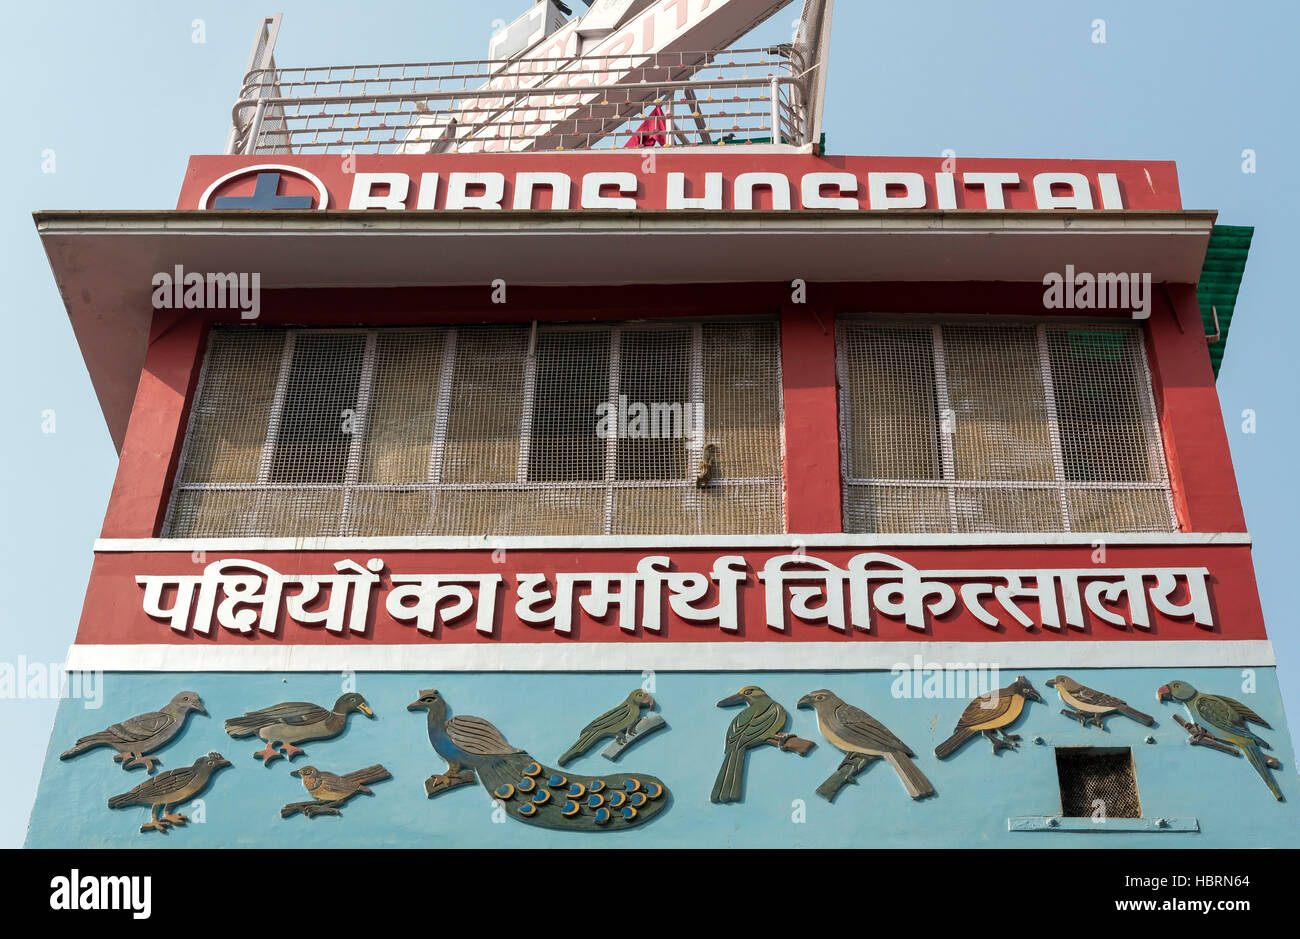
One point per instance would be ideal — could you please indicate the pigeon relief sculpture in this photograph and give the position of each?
(329, 791)
(1088, 706)
(170, 789)
(142, 734)
(1225, 728)
(991, 712)
(296, 722)
(475, 750)
(623, 723)
(863, 740)
(762, 722)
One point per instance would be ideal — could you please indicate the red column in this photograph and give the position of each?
(811, 423)
(1191, 420)
(156, 430)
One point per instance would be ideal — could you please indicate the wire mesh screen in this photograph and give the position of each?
(1097, 782)
(1005, 426)
(484, 430)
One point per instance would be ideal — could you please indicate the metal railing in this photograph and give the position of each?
(735, 97)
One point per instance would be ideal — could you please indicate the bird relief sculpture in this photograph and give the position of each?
(761, 723)
(991, 714)
(170, 789)
(623, 723)
(329, 791)
(296, 722)
(863, 740)
(475, 751)
(142, 734)
(1225, 728)
(1088, 706)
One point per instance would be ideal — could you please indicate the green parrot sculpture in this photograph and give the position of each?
(617, 722)
(1228, 720)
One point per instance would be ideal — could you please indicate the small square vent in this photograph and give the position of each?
(1097, 782)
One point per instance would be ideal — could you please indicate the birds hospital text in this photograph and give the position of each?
(711, 192)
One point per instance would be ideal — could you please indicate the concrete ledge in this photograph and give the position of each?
(1097, 826)
(867, 655)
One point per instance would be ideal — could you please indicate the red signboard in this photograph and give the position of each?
(664, 180)
(729, 594)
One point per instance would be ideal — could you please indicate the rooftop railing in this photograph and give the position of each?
(733, 97)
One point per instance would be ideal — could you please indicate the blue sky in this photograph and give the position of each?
(122, 95)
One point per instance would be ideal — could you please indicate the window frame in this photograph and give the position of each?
(947, 459)
(609, 485)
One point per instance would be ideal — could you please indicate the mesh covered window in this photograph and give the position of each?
(484, 430)
(1000, 426)
(1097, 782)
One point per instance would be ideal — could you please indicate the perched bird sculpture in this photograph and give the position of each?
(1224, 719)
(1088, 706)
(296, 722)
(525, 789)
(329, 790)
(171, 789)
(991, 711)
(617, 722)
(862, 739)
(708, 467)
(141, 734)
(761, 722)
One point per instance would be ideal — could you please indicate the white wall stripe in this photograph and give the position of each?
(670, 656)
(643, 542)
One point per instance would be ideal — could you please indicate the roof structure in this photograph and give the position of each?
(1225, 263)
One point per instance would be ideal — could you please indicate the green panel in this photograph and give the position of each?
(1225, 263)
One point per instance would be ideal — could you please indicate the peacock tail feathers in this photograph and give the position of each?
(550, 798)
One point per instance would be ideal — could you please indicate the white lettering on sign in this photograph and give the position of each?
(560, 185)
(708, 191)
(993, 185)
(364, 195)
(711, 200)
(242, 595)
(594, 185)
(458, 191)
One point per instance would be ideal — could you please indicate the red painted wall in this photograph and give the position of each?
(156, 430)
(1196, 443)
(1195, 440)
(1191, 420)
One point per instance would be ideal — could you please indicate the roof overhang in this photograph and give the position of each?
(104, 262)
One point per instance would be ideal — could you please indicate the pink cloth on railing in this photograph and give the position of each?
(652, 133)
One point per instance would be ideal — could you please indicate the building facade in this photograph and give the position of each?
(547, 399)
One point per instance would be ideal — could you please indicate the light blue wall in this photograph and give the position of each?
(542, 713)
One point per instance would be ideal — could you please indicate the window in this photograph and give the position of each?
(1097, 782)
(484, 430)
(998, 426)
